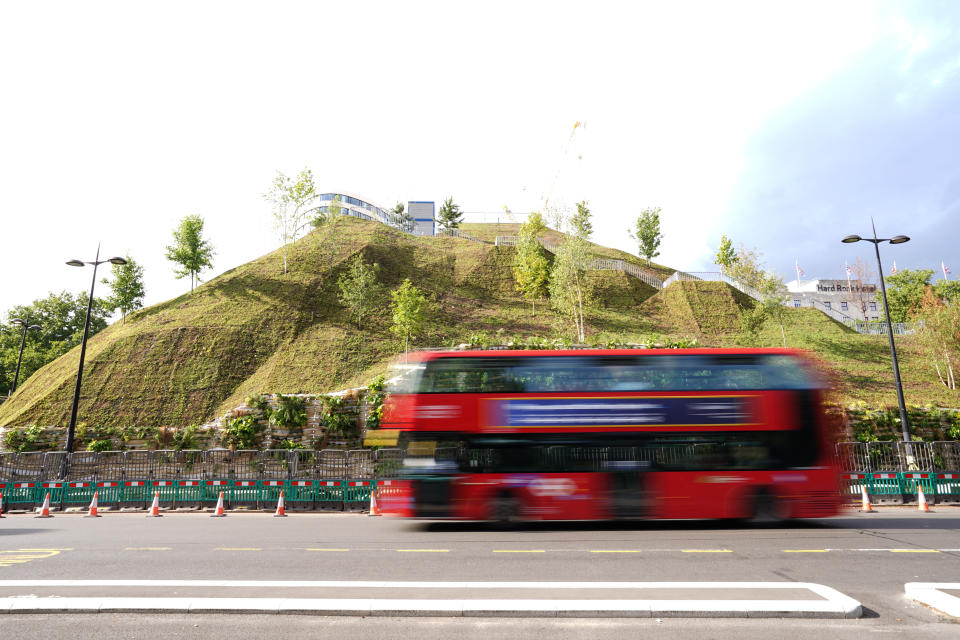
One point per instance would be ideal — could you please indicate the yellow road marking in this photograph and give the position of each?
(519, 551)
(20, 556)
(805, 550)
(706, 551)
(914, 551)
(238, 549)
(615, 551)
(324, 549)
(147, 549)
(47, 549)
(423, 550)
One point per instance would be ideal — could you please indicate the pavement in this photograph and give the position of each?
(866, 557)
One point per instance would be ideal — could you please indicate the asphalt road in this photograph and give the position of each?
(866, 556)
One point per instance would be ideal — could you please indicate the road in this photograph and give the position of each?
(866, 556)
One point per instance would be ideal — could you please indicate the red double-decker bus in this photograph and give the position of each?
(611, 434)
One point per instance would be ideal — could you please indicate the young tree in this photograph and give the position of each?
(359, 289)
(862, 275)
(646, 232)
(291, 200)
(127, 288)
(403, 219)
(449, 215)
(327, 218)
(570, 291)
(410, 309)
(190, 249)
(747, 268)
(531, 268)
(939, 334)
(905, 291)
(774, 301)
(726, 256)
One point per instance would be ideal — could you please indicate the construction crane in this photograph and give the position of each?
(563, 157)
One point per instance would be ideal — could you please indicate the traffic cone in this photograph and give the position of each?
(219, 512)
(922, 500)
(280, 511)
(374, 509)
(1, 505)
(866, 507)
(45, 508)
(92, 513)
(155, 507)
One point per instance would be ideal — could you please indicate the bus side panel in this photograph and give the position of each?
(541, 496)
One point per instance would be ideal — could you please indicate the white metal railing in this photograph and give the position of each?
(596, 265)
(456, 233)
(713, 276)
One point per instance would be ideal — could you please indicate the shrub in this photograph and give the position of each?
(242, 433)
(27, 439)
(290, 413)
(104, 444)
(186, 438)
(336, 420)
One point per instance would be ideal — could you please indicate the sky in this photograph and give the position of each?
(783, 126)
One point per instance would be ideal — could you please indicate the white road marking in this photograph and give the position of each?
(932, 594)
(832, 605)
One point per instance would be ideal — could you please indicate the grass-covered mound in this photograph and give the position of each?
(254, 329)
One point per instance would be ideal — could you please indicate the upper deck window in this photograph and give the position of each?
(591, 374)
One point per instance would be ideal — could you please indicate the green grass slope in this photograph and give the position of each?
(254, 329)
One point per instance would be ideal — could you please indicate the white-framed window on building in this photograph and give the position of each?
(843, 306)
(873, 306)
(796, 304)
(827, 304)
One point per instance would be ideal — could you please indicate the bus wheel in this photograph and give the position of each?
(505, 511)
(765, 509)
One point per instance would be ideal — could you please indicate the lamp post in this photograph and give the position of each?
(83, 344)
(893, 350)
(23, 341)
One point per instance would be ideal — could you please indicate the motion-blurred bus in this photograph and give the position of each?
(611, 434)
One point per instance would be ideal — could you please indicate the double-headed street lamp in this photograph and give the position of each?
(893, 350)
(23, 341)
(83, 344)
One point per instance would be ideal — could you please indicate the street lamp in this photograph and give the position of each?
(23, 341)
(83, 344)
(893, 350)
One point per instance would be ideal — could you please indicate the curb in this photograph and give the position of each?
(931, 594)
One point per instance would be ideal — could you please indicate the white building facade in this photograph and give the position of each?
(850, 298)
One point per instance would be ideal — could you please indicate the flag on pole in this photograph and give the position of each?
(796, 263)
(945, 269)
(849, 271)
(893, 270)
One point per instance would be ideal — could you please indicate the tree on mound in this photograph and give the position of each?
(410, 308)
(449, 215)
(127, 288)
(291, 201)
(190, 250)
(570, 290)
(646, 232)
(359, 289)
(531, 269)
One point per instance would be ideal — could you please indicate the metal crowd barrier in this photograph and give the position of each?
(328, 479)
(893, 472)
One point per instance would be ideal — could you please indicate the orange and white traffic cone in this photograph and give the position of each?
(45, 508)
(922, 500)
(155, 507)
(374, 509)
(866, 507)
(92, 513)
(219, 512)
(1, 505)
(280, 513)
